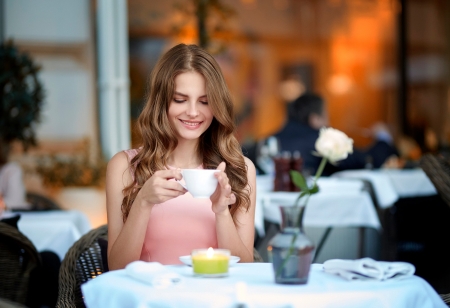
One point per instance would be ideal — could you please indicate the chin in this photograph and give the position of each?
(191, 136)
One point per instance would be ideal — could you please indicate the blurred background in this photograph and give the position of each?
(372, 60)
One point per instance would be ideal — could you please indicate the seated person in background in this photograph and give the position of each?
(12, 188)
(409, 154)
(306, 115)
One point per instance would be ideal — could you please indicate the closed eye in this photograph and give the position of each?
(178, 100)
(204, 102)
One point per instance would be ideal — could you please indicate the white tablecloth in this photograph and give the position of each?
(391, 184)
(116, 290)
(53, 230)
(339, 203)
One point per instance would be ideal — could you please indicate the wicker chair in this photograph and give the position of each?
(256, 256)
(82, 263)
(40, 202)
(18, 257)
(437, 168)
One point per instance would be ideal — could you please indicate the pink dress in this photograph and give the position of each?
(177, 226)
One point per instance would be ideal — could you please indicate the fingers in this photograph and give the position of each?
(161, 182)
(224, 183)
(221, 166)
(232, 199)
(175, 185)
(169, 174)
(222, 179)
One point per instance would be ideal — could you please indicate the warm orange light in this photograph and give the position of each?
(339, 84)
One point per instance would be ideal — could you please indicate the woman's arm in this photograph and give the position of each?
(125, 240)
(236, 235)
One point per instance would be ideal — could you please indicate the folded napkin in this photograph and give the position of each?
(367, 268)
(153, 273)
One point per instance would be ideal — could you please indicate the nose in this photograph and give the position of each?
(192, 109)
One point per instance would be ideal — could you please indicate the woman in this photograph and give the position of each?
(186, 123)
(12, 187)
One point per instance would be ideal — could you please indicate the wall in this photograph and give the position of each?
(59, 36)
(352, 47)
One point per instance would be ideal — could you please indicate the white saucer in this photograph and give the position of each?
(187, 260)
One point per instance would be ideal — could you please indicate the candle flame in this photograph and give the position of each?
(210, 252)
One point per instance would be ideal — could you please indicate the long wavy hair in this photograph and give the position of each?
(158, 137)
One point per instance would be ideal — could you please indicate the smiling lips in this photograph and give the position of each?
(191, 124)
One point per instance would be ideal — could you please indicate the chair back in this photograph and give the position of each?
(40, 202)
(256, 256)
(18, 258)
(82, 263)
(437, 168)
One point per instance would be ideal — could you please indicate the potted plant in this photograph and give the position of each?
(76, 182)
(22, 98)
(71, 170)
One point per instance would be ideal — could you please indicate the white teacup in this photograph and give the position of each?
(201, 183)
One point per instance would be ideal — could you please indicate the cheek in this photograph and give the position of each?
(174, 110)
(209, 115)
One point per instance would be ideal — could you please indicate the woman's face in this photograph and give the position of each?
(189, 112)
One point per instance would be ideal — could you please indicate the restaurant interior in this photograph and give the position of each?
(375, 63)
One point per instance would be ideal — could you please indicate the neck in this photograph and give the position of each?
(185, 156)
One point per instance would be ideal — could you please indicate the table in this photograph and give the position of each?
(116, 289)
(392, 184)
(53, 230)
(339, 203)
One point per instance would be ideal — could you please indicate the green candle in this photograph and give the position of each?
(210, 262)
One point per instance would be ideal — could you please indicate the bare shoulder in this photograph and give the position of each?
(250, 166)
(119, 159)
(118, 166)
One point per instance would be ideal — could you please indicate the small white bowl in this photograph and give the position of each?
(187, 260)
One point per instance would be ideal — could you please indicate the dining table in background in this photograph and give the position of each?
(340, 203)
(55, 230)
(390, 185)
(252, 285)
(414, 219)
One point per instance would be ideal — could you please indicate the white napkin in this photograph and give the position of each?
(153, 273)
(367, 268)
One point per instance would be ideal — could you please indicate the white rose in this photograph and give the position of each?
(333, 144)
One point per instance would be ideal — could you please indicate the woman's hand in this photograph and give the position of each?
(223, 196)
(158, 189)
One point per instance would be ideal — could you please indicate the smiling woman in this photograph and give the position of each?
(190, 114)
(187, 123)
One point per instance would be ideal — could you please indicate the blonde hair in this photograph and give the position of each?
(217, 144)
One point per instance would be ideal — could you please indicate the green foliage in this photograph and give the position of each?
(63, 170)
(21, 96)
(300, 181)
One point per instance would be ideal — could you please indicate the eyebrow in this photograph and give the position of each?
(181, 94)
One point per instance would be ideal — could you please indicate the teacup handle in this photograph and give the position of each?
(184, 186)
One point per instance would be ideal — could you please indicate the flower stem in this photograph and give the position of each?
(323, 162)
(299, 222)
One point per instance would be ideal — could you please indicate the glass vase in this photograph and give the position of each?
(290, 250)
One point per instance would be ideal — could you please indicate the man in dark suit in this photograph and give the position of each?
(306, 115)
